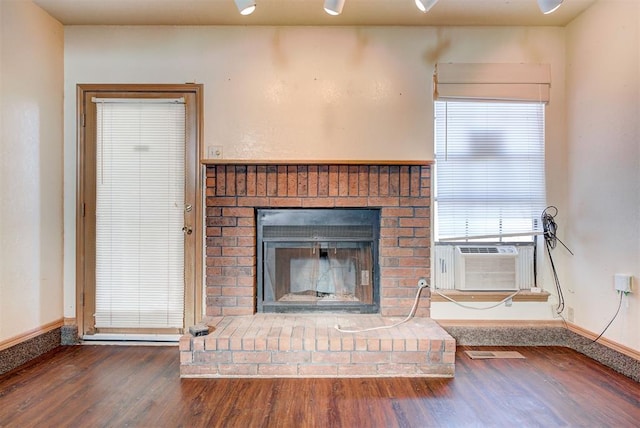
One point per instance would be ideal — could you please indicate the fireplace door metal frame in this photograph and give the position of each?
(324, 229)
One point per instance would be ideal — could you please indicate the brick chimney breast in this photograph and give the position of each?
(400, 190)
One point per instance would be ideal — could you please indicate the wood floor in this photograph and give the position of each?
(139, 386)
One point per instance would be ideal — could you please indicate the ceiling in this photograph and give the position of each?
(309, 12)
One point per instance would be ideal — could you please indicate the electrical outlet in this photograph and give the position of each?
(569, 314)
(622, 282)
(214, 152)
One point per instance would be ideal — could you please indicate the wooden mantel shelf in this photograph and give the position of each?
(489, 296)
(314, 162)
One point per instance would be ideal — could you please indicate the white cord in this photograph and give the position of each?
(411, 315)
(473, 307)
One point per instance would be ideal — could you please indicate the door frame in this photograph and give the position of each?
(85, 250)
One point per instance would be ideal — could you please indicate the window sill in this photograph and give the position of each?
(490, 296)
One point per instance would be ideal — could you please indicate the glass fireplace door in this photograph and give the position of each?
(318, 273)
(317, 267)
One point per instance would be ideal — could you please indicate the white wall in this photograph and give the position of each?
(603, 111)
(2, 178)
(31, 171)
(306, 93)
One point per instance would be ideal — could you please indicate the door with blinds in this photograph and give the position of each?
(138, 212)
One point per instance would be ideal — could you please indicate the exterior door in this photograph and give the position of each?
(138, 210)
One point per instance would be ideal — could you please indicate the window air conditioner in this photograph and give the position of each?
(486, 268)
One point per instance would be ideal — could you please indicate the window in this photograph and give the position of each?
(489, 176)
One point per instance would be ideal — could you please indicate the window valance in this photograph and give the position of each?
(492, 82)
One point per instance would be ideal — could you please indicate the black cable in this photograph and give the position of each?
(560, 306)
(610, 322)
(549, 227)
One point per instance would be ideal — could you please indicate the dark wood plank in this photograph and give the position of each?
(139, 386)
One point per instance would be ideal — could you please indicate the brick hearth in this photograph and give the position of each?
(246, 344)
(304, 345)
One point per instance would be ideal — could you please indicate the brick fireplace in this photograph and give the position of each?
(235, 191)
(248, 343)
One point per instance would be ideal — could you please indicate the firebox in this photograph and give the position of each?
(318, 260)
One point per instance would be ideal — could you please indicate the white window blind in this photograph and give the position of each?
(139, 213)
(489, 168)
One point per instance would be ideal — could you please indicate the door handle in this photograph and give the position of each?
(187, 230)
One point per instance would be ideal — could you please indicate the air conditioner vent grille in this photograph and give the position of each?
(478, 250)
(488, 250)
(486, 267)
